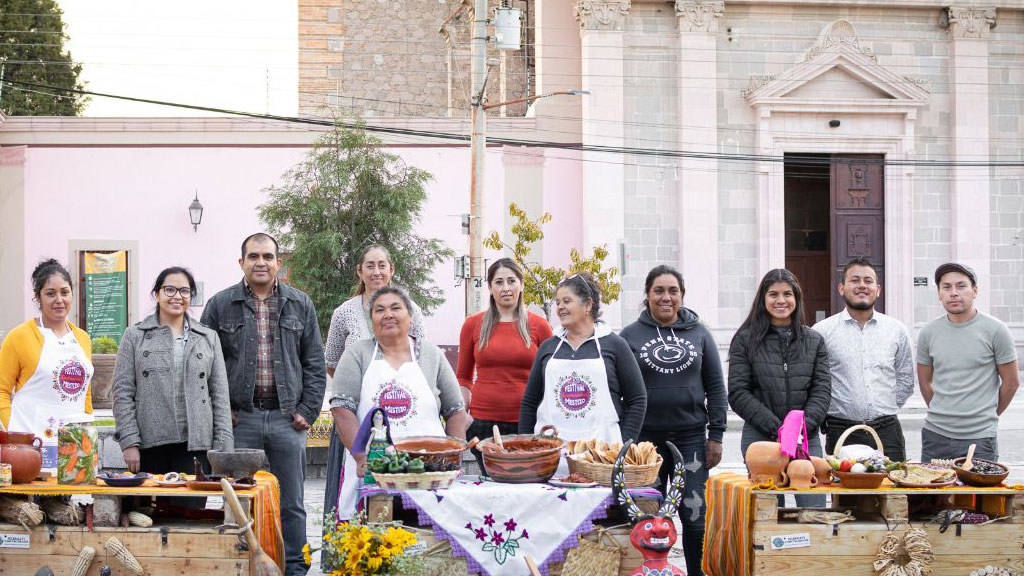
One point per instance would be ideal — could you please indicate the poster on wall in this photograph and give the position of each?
(106, 293)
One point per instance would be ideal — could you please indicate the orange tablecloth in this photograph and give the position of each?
(728, 525)
(266, 498)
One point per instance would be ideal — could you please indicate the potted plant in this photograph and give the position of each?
(104, 356)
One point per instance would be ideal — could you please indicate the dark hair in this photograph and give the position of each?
(261, 237)
(42, 273)
(162, 277)
(361, 287)
(661, 270)
(859, 261)
(402, 294)
(492, 316)
(758, 321)
(585, 287)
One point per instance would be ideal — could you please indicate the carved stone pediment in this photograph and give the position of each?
(601, 14)
(970, 22)
(698, 15)
(837, 69)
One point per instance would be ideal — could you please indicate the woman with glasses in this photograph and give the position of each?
(777, 364)
(585, 380)
(170, 386)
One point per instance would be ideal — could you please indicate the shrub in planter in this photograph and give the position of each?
(104, 356)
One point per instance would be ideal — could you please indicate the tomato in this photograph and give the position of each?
(845, 465)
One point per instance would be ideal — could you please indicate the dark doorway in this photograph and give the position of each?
(834, 212)
(808, 230)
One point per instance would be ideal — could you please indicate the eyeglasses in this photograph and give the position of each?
(170, 291)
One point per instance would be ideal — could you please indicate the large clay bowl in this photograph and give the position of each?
(239, 463)
(527, 458)
(439, 453)
(26, 461)
(972, 478)
(860, 480)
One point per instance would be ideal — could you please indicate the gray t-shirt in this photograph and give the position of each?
(965, 358)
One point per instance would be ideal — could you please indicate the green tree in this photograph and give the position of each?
(32, 50)
(539, 283)
(347, 193)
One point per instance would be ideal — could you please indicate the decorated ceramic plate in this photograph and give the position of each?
(561, 484)
(123, 480)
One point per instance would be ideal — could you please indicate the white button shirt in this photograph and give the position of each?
(872, 367)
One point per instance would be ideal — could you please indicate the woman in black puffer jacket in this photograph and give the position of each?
(776, 364)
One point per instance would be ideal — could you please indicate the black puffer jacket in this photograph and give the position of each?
(766, 385)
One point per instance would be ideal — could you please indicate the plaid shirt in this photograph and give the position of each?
(267, 316)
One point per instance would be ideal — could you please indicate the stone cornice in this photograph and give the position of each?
(970, 22)
(601, 14)
(699, 16)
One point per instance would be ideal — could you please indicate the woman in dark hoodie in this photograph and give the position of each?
(776, 364)
(686, 401)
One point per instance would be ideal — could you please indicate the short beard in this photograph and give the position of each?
(859, 305)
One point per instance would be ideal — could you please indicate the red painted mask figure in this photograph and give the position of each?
(653, 535)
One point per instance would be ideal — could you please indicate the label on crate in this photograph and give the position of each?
(14, 540)
(784, 541)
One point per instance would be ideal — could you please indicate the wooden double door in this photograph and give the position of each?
(835, 212)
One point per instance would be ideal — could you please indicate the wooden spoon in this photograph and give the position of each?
(532, 566)
(497, 438)
(264, 565)
(968, 463)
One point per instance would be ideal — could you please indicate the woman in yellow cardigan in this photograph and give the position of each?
(45, 363)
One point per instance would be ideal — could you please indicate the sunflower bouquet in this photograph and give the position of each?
(359, 549)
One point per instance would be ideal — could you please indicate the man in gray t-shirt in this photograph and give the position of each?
(967, 370)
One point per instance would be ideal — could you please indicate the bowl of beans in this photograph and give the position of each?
(983, 474)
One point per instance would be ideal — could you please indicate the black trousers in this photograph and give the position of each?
(887, 427)
(171, 458)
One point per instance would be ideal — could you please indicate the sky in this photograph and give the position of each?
(217, 53)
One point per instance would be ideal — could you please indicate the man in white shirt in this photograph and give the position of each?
(871, 362)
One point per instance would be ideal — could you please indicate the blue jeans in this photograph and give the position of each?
(751, 435)
(692, 447)
(271, 431)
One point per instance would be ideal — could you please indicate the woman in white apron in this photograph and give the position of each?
(585, 381)
(412, 382)
(45, 363)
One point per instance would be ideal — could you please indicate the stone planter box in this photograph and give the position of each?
(103, 380)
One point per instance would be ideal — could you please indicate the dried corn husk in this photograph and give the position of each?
(62, 512)
(20, 511)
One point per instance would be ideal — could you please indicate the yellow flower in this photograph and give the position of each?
(373, 564)
(306, 556)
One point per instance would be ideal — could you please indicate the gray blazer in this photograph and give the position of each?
(144, 389)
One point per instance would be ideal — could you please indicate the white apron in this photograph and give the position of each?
(56, 390)
(577, 401)
(411, 408)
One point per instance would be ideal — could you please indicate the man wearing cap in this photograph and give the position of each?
(967, 369)
(871, 363)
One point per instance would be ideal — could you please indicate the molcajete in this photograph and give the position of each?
(765, 461)
(26, 461)
(526, 458)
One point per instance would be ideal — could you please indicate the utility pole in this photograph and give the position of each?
(478, 145)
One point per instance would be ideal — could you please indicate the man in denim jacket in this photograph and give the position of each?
(275, 363)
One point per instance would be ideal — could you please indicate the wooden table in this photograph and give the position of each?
(169, 547)
(747, 534)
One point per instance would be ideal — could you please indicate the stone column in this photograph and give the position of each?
(13, 298)
(524, 185)
(969, 33)
(698, 182)
(602, 64)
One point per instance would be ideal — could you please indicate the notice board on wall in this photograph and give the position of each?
(105, 280)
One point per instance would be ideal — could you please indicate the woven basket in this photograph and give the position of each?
(319, 434)
(421, 481)
(636, 476)
(858, 480)
(593, 558)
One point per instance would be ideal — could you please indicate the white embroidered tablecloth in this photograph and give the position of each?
(494, 525)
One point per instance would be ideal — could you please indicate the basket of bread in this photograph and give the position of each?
(594, 458)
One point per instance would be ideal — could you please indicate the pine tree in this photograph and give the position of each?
(32, 50)
(347, 193)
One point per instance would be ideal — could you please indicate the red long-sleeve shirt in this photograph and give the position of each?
(502, 367)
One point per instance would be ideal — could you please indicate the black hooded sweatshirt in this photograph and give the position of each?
(683, 374)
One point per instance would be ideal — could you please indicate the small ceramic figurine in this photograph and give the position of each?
(652, 535)
(801, 474)
(766, 462)
(373, 436)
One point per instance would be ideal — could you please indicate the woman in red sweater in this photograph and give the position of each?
(496, 351)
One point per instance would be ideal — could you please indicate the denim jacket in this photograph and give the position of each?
(299, 370)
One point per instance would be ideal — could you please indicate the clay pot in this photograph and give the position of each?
(801, 475)
(822, 471)
(527, 458)
(21, 438)
(765, 461)
(26, 461)
(439, 453)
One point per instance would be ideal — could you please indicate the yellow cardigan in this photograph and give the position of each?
(19, 358)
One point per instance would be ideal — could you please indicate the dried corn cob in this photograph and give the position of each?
(139, 519)
(123, 555)
(84, 560)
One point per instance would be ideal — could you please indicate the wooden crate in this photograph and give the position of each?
(851, 546)
(177, 549)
